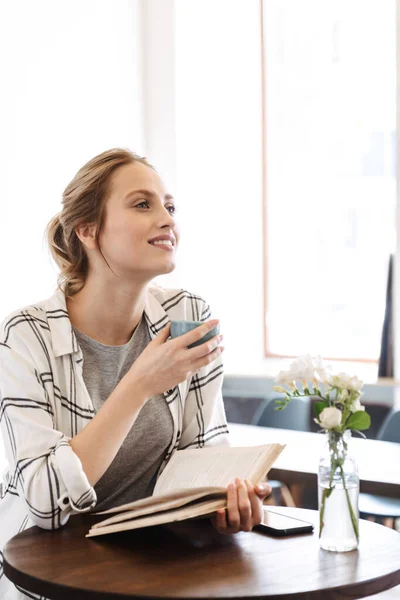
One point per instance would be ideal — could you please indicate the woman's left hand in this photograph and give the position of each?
(245, 507)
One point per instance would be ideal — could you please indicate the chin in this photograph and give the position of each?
(168, 269)
(164, 270)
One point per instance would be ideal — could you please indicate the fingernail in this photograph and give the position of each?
(231, 487)
(237, 481)
(263, 488)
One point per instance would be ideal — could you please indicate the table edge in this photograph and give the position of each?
(59, 591)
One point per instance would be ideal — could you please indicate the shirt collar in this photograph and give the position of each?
(63, 337)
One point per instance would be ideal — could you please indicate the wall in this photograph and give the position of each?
(72, 76)
(218, 158)
(72, 87)
(218, 151)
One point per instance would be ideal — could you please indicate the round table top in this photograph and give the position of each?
(191, 560)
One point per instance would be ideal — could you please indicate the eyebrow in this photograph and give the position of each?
(148, 193)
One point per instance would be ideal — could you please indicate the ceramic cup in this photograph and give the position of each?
(181, 327)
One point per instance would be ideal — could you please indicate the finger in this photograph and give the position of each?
(233, 509)
(263, 490)
(256, 504)
(163, 335)
(196, 334)
(220, 520)
(206, 360)
(246, 523)
(205, 348)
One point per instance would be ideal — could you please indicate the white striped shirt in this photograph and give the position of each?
(44, 403)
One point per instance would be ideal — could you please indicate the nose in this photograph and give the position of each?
(168, 219)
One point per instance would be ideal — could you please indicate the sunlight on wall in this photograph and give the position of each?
(72, 71)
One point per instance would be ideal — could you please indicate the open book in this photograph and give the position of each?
(193, 484)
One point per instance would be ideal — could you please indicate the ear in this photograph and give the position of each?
(87, 235)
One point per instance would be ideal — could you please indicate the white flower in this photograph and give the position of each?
(347, 382)
(321, 369)
(329, 418)
(356, 405)
(305, 368)
(285, 378)
(279, 388)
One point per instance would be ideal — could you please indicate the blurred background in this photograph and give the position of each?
(274, 125)
(272, 122)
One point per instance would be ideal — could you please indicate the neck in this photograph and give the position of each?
(107, 313)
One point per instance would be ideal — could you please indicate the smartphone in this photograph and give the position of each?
(276, 524)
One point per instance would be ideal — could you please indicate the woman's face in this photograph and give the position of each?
(138, 210)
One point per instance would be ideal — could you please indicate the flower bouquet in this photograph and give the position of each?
(338, 411)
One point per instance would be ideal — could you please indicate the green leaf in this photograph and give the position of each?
(280, 404)
(359, 420)
(319, 407)
(329, 491)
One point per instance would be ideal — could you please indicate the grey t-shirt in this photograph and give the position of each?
(133, 472)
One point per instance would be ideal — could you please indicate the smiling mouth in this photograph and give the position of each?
(164, 245)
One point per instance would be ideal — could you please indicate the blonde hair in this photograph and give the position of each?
(83, 201)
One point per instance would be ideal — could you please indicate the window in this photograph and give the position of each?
(329, 161)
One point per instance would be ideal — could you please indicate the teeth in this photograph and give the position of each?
(164, 242)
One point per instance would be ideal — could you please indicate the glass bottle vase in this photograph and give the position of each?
(338, 490)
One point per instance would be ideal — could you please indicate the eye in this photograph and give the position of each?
(171, 208)
(143, 202)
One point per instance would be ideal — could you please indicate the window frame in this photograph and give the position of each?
(396, 287)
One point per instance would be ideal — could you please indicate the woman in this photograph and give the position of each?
(94, 396)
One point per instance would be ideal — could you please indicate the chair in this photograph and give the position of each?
(295, 416)
(381, 507)
(241, 409)
(390, 428)
(280, 495)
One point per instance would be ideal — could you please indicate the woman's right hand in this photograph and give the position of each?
(163, 364)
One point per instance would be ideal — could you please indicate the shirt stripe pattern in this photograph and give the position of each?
(44, 403)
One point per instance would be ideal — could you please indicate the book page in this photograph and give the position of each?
(179, 514)
(150, 503)
(216, 466)
(167, 503)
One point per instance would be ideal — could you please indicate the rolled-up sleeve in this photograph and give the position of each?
(204, 420)
(44, 469)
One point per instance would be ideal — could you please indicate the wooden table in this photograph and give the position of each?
(191, 560)
(378, 462)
